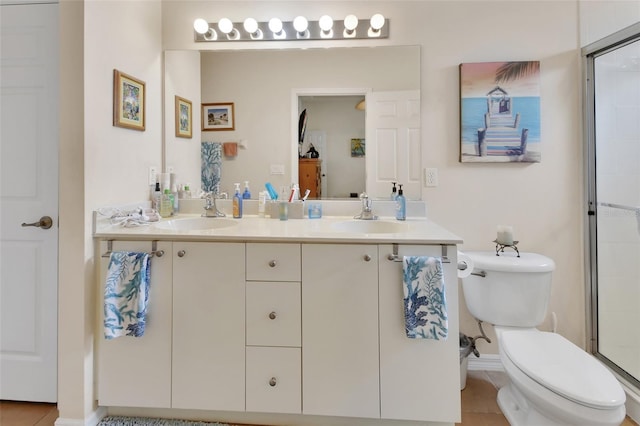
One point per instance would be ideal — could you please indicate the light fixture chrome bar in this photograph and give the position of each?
(314, 32)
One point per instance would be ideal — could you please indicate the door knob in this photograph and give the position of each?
(45, 222)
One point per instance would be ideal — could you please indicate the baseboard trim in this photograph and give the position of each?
(488, 362)
(92, 420)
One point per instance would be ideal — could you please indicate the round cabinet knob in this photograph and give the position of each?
(272, 315)
(159, 253)
(367, 258)
(272, 263)
(181, 253)
(273, 382)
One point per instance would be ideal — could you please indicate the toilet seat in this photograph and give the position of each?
(560, 366)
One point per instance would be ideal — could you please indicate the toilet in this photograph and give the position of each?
(551, 380)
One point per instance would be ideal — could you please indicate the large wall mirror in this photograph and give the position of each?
(263, 86)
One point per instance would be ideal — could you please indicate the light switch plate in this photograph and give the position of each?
(277, 169)
(152, 175)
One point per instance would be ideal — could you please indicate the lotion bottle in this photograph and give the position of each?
(237, 202)
(393, 192)
(166, 204)
(246, 194)
(401, 205)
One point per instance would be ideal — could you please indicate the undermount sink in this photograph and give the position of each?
(196, 224)
(371, 227)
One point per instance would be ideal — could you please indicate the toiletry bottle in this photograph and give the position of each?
(394, 194)
(262, 203)
(246, 194)
(187, 191)
(157, 197)
(237, 202)
(401, 205)
(176, 199)
(166, 204)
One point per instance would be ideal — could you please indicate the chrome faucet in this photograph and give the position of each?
(210, 208)
(367, 212)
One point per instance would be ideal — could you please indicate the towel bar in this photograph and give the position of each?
(395, 258)
(154, 249)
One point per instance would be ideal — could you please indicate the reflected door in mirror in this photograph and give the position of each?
(309, 176)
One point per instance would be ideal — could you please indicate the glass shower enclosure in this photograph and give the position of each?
(612, 130)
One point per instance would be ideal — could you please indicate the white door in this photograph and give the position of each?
(28, 191)
(393, 143)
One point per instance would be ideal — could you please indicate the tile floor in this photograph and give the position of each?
(479, 406)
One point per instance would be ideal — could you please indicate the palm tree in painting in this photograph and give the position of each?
(515, 70)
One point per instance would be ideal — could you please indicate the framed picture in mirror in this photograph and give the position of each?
(128, 101)
(218, 116)
(184, 118)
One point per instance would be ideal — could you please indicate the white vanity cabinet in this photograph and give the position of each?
(208, 369)
(273, 323)
(136, 371)
(340, 361)
(419, 378)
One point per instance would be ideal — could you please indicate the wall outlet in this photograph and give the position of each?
(277, 169)
(430, 177)
(153, 171)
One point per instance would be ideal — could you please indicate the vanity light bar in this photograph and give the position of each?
(251, 30)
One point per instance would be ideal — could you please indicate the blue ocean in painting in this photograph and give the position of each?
(473, 110)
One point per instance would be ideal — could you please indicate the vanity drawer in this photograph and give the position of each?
(273, 262)
(273, 313)
(273, 380)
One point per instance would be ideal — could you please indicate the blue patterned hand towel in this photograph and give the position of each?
(425, 308)
(211, 166)
(126, 294)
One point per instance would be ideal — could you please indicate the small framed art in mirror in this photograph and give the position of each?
(218, 116)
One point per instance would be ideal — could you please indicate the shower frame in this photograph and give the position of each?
(590, 52)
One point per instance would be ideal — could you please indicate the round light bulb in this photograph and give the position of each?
(250, 25)
(300, 24)
(377, 21)
(351, 22)
(201, 26)
(275, 25)
(225, 25)
(325, 22)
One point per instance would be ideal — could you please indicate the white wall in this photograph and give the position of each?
(599, 19)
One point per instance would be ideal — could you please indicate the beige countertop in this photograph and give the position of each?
(328, 229)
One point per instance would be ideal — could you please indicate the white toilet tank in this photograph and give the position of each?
(514, 291)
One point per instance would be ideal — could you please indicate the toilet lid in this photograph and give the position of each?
(559, 365)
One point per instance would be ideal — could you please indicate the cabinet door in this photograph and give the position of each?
(208, 326)
(340, 330)
(419, 378)
(136, 371)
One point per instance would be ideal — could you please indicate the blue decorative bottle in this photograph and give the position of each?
(401, 205)
(246, 194)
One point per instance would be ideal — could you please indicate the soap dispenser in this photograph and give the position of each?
(401, 205)
(246, 194)
(393, 192)
(237, 202)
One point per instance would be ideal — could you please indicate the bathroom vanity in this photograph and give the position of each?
(264, 321)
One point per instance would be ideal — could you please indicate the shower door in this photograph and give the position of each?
(613, 164)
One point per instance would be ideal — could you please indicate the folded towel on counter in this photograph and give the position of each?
(126, 294)
(425, 308)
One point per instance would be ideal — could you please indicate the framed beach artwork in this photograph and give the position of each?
(128, 101)
(184, 117)
(500, 112)
(218, 116)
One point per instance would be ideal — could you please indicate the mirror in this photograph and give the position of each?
(263, 86)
